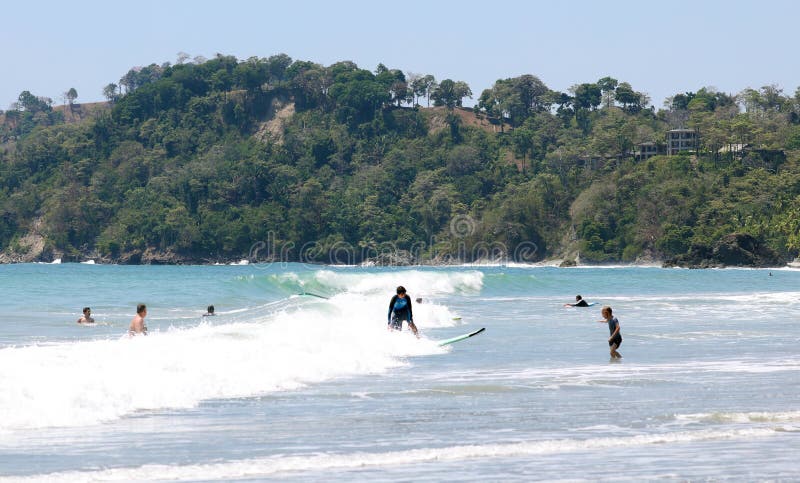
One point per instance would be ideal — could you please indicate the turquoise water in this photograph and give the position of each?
(299, 388)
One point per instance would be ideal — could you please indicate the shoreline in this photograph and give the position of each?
(554, 263)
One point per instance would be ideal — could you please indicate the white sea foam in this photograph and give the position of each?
(701, 335)
(754, 298)
(618, 266)
(617, 374)
(370, 292)
(84, 383)
(419, 283)
(741, 417)
(554, 264)
(277, 465)
(711, 300)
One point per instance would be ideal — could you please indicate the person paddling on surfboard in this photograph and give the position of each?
(579, 302)
(400, 310)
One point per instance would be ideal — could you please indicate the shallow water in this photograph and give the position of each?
(300, 388)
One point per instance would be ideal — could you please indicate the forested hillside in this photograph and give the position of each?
(277, 158)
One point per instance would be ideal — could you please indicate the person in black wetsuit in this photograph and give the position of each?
(579, 302)
(400, 310)
(615, 337)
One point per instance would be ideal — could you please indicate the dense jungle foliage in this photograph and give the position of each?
(272, 157)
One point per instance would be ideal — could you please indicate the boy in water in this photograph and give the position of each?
(137, 323)
(209, 311)
(400, 310)
(615, 339)
(87, 316)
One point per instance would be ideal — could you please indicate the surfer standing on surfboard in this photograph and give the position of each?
(400, 310)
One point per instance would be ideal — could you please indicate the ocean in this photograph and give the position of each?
(281, 386)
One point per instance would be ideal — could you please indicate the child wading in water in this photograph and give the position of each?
(615, 339)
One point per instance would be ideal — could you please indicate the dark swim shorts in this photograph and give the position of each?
(616, 340)
(396, 323)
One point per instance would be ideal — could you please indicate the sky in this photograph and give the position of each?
(660, 48)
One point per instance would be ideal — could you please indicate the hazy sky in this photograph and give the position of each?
(660, 48)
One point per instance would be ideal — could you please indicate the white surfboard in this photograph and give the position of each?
(461, 337)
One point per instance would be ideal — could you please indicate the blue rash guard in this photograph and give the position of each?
(400, 310)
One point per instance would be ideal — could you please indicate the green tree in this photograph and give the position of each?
(450, 93)
(608, 86)
(626, 96)
(33, 104)
(532, 93)
(675, 240)
(358, 94)
(110, 92)
(587, 96)
(516, 99)
(422, 86)
(70, 96)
